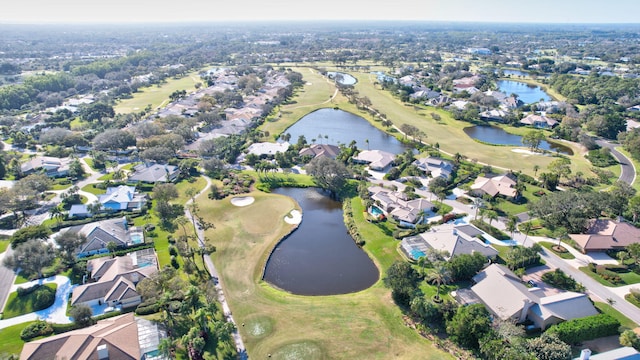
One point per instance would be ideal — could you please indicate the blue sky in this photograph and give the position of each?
(536, 11)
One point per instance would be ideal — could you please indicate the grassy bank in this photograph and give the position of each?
(157, 95)
(363, 325)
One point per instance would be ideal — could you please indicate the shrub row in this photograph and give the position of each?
(587, 328)
(148, 309)
(605, 273)
(33, 330)
(350, 223)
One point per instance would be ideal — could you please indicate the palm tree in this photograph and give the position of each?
(491, 215)
(422, 262)
(512, 225)
(439, 274)
(526, 229)
(112, 246)
(622, 256)
(56, 213)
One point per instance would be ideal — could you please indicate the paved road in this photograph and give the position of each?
(242, 351)
(594, 287)
(628, 173)
(7, 277)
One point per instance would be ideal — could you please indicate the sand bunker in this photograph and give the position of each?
(242, 200)
(523, 151)
(294, 217)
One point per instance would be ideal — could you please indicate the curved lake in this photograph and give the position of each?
(526, 93)
(346, 79)
(495, 135)
(319, 258)
(341, 127)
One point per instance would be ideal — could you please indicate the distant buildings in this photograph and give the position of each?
(153, 173)
(316, 150)
(605, 234)
(539, 121)
(50, 166)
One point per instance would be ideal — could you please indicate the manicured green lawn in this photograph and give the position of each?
(157, 96)
(362, 325)
(628, 278)
(91, 188)
(10, 342)
(17, 306)
(197, 184)
(4, 244)
(565, 255)
(625, 322)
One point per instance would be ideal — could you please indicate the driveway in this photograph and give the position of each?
(56, 313)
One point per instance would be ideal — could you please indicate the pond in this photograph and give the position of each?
(330, 126)
(527, 93)
(344, 78)
(508, 72)
(495, 135)
(319, 258)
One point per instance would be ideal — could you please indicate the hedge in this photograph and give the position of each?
(149, 309)
(587, 328)
(33, 330)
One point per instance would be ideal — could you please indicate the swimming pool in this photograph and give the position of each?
(137, 239)
(376, 211)
(416, 253)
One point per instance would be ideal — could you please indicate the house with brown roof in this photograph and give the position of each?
(316, 150)
(123, 337)
(515, 302)
(605, 234)
(113, 280)
(504, 185)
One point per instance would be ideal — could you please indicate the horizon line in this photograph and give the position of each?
(301, 21)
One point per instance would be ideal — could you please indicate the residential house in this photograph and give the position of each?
(154, 173)
(121, 198)
(504, 185)
(434, 167)
(268, 148)
(454, 239)
(515, 302)
(100, 233)
(439, 101)
(605, 234)
(50, 166)
(123, 337)
(493, 115)
(377, 160)
(621, 353)
(399, 207)
(632, 124)
(113, 280)
(316, 150)
(539, 121)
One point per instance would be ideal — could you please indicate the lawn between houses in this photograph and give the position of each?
(362, 325)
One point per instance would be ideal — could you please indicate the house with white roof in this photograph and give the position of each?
(100, 233)
(50, 166)
(539, 121)
(377, 160)
(515, 302)
(434, 167)
(268, 148)
(453, 239)
(154, 173)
